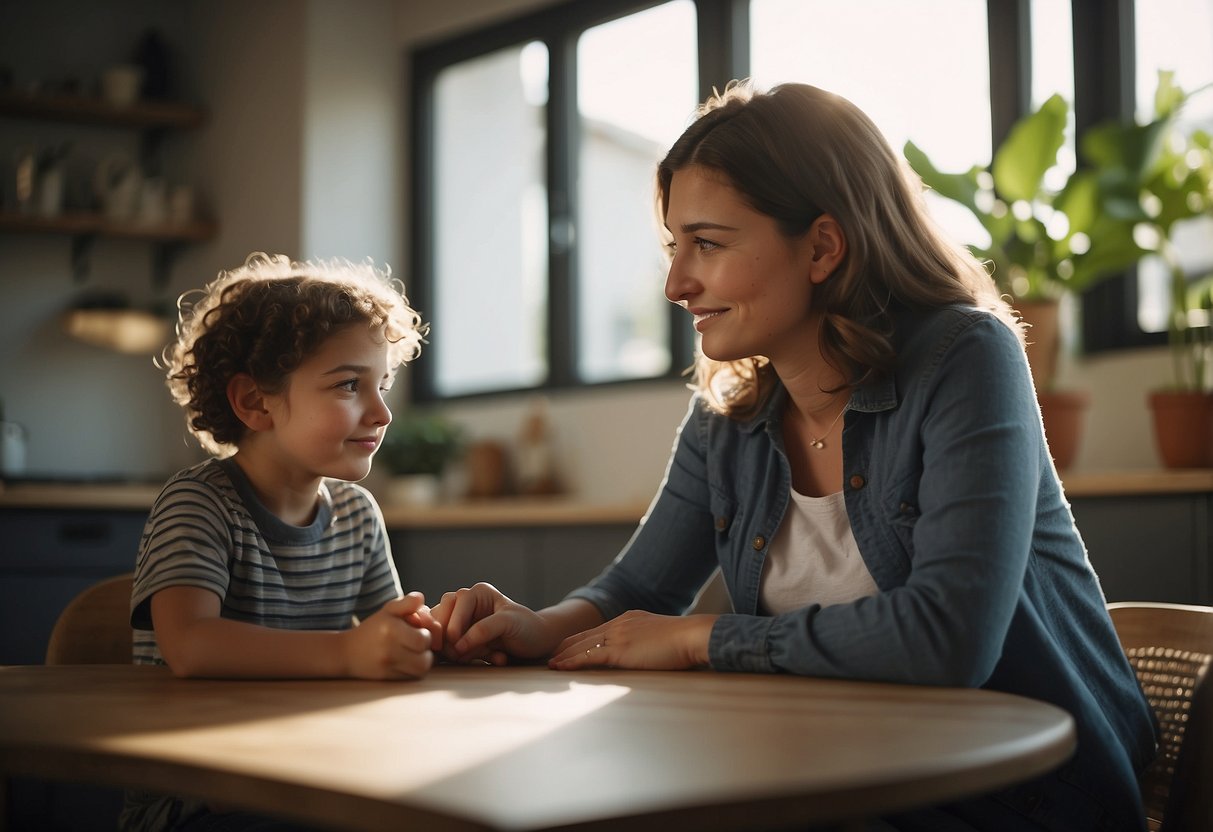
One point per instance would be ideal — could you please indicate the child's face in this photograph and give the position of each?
(330, 419)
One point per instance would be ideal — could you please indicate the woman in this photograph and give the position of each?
(863, 459)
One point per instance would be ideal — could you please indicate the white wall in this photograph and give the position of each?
(354, 101)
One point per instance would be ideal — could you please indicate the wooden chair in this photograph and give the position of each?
(95, 628)
(1170, 647)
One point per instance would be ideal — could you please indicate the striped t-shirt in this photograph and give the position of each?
(208, 529)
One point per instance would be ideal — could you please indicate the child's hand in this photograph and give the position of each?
(395, 642)
(482, 624)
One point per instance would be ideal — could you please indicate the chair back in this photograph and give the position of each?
(95, 628)
(1170, 646)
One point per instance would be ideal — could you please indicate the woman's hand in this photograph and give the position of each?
(639, 641)
(481, 623)
(394, 643)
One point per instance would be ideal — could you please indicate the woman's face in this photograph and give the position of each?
(746, 283)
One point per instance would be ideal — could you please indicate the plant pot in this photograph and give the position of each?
(1183, 428)
(1064, 413)
(1042, 338)
(414, 489)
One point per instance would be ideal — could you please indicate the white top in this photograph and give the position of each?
(814, 558)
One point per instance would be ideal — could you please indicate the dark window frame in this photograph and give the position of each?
(1104, 88)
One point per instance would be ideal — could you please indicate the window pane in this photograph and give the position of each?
(490, 223)
(636, 90)
(920, 76)
(1053, 72)
(1175, 35)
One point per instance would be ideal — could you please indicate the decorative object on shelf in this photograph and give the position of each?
(41, 179)
(152, 119)
(12, 447)
(416, 450)
(121, 85)
(486, 469)
(117, 185)
(50, 179)
(535, 453)
(153, 57)
(181, 205)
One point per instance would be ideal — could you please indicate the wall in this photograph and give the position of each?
(285, 163)
(87, 411)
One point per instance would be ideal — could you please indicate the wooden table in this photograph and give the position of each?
(526, 748)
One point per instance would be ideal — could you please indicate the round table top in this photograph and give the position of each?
(522, 748)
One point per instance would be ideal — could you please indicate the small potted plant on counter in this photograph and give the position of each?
(416, 451)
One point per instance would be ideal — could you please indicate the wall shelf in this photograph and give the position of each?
(80, 109)
(91, 224)
(152, 119)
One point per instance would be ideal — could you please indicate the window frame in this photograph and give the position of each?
(1103, 88)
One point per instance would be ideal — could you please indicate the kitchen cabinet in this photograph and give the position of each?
(152, 120)
(1150, 547)
(47, 556)
(534, 565)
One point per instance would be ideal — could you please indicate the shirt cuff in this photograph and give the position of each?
(739, 643)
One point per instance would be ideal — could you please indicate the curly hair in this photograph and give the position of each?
(264, 319)
(798, 152)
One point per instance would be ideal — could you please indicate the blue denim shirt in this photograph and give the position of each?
(961, 519)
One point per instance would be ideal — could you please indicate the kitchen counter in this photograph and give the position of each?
(551, 511)
(514, 511)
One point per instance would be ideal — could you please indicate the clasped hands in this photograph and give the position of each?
(481, 624)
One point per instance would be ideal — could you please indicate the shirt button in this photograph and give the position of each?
(857, 481)
(722, 523)
(759, 542)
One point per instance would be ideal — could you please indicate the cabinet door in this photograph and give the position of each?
(572, 556)
(534, 566)
(1148, 547)
(46, 559)
(435, 561)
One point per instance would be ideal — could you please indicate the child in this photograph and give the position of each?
(267, 561)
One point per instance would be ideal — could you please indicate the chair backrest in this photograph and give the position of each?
(1170, 646)
(95, 628)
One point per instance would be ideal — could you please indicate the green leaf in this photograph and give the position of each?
(1029, 150)
(1168, 97)
(960, 187)
(1079, 200)
(1112, 249)
(1133, 148)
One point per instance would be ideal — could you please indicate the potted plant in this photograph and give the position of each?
(1045, 241)
(416, 450)
(1159, 175)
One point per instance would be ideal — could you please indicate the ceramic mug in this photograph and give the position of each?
(120, 84)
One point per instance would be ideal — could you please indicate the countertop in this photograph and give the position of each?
(548, 511)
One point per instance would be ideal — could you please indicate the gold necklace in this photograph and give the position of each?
(820, 443)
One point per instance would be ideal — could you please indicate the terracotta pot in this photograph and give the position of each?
(1063, 413)
(1183, 428)
(1042, 338)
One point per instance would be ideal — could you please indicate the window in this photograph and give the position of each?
(490, 222)
(1176, 36)
(538, 262)
(536, 257)
(627, 121)
(902, 73)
